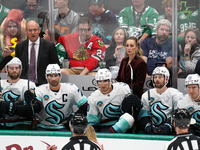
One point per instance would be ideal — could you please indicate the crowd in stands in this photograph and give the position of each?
(134, 45)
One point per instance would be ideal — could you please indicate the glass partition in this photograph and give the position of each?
(183, 17)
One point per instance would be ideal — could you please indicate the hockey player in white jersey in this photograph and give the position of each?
(191, 101)
(16, 99)
(58, 100)
(105, 105)
(159, 104)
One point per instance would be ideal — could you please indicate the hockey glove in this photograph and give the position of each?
(131, 100)
(30, 96)
(8, 108)
(150, 129)
(164, 129)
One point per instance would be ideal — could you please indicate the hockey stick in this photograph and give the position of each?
(131, 86)
(34, 121)
(150, 114)
(132, 109)
(3, 115)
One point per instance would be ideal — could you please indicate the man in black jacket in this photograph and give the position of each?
(45, 53)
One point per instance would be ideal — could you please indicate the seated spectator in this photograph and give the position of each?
(84, 49)
(159, 104)
(182, 19)
(65, 19)
(32, 9)
(134, 62)
(189, 51)
(195, 18)
(59, 47)
(35, 12)
(116, 51)
(104, 22)
(139, 20)
(158, 49)
(12, 32)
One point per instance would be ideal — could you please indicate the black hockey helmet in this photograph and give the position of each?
(182, 118)
(79, 123)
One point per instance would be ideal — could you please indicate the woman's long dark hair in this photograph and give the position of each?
(113, 43)
(193, 48)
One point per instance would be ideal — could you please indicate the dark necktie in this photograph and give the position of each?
(32, 63)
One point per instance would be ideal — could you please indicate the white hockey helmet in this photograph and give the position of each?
(160, 70)
(103, 74)
(192, 79)
(163, 71)
(14, 61)
(53, 69)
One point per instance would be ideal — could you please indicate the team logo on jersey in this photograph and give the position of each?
(6, 10)
(100, 43)
(100, 104)
(195, 13)
(46, 97)
(182, 16)
(190, 110)
(159, 116)
(53, 109)
(196, 116)
(112, 111)
(61, 48)
(64, 97)
(10, 96)
(81, 53)
(151, 100)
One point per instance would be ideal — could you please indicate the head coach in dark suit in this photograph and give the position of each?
(44, 54)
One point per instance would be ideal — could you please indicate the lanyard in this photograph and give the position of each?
(137, 21)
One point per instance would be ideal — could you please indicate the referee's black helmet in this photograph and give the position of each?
(182, 118)
(79, 123)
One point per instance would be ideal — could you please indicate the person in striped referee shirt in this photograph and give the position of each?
(183, 140)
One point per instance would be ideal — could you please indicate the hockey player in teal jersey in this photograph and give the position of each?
(58, 100)
(106, 111)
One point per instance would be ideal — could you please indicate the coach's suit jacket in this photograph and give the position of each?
(47, 55)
